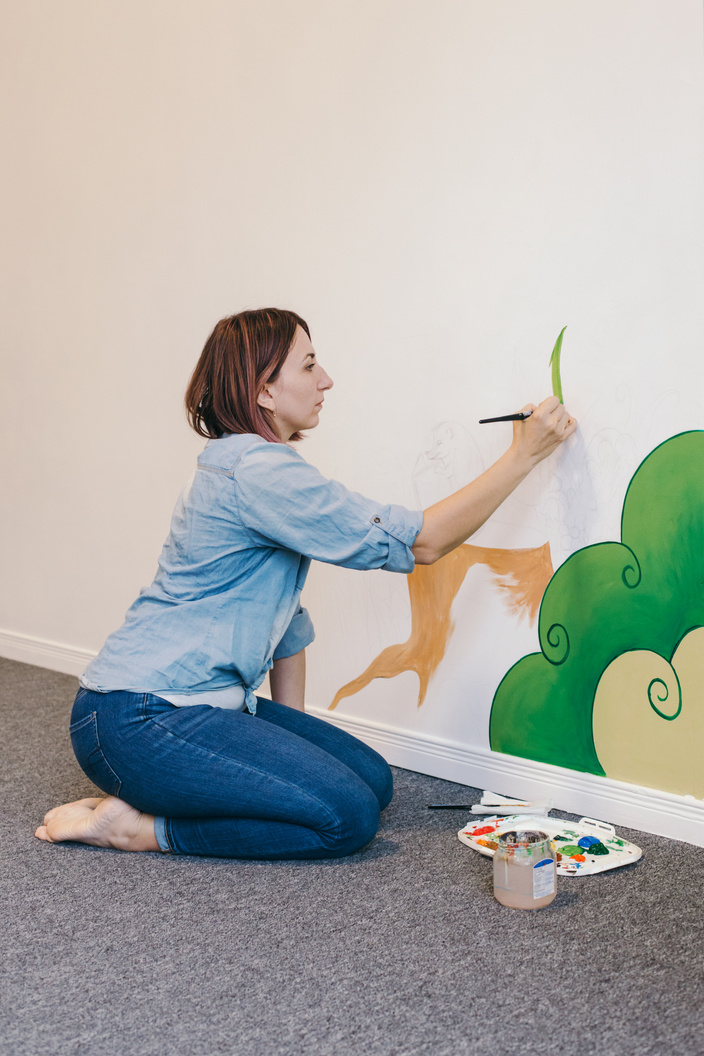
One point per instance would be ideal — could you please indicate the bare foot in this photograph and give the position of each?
(101, 822)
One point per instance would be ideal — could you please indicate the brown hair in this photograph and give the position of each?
(243, 353)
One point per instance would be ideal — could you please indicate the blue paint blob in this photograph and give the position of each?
(588, 841)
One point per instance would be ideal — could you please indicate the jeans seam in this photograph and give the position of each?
(76, 726)
(94, 716)
(92, 720)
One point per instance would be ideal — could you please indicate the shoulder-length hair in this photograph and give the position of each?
(243, 354)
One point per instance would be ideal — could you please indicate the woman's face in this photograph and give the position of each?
(297, 394)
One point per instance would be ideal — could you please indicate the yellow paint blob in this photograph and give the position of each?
(635, 743)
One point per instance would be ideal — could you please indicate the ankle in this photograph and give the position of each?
(138, 835)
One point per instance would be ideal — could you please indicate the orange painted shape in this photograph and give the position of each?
(522, 574)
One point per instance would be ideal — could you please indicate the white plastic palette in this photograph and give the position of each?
(611, 850)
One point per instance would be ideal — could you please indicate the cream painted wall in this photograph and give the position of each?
(438, 188)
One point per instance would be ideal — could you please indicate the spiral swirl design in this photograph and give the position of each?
(662, 696)
(558, 641)
(631, 574)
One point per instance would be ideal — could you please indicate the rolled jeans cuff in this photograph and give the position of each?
(160, 833)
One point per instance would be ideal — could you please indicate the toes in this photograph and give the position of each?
(42, 834)
(88, 804)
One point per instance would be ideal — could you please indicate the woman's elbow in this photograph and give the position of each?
(428, 545)
(424, 554)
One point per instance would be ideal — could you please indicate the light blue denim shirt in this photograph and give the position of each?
(225, 601)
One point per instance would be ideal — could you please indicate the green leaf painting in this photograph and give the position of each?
(555, 364)
(608, 609)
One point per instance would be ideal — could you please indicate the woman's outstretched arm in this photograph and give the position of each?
(451, 521)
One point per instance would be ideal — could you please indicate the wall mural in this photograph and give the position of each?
(618, 686)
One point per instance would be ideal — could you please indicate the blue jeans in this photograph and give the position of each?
(278, 784)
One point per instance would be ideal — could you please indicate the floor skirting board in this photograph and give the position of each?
(43, 653)
(680, 817)
(616, 802)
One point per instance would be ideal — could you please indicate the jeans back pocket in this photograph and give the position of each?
(86, 746)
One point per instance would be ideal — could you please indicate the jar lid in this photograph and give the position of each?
(522, 837)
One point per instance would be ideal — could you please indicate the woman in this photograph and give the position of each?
(166, 721)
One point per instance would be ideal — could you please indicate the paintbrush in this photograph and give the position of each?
(540, 807)
(519, 417)
(493, 803)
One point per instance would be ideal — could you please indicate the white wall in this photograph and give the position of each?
(438, 188)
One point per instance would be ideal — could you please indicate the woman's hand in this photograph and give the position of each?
(451, 521)
(548, 426)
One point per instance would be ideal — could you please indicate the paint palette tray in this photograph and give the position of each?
(583, 847)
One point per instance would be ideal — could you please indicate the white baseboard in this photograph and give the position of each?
(647, 809)
(616, 802)
(43, 653)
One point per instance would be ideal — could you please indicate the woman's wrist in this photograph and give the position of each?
(520, 460)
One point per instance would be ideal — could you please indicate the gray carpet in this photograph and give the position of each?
(400, 949)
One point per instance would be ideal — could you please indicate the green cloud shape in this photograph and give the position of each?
(645, 592)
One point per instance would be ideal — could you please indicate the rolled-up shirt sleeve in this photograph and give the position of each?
(284, 501)
(297, 636)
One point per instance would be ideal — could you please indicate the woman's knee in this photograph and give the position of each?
(385, 788)
(356, 821)
(376, 773)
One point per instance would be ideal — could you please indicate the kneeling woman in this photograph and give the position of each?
(166, 721)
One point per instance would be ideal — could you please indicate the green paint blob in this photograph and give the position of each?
(644, 592)
(555, 364)
(571, 848)
(597, 848)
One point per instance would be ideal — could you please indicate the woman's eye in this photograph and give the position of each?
(310, 366)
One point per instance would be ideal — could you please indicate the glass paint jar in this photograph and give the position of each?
(525, 869)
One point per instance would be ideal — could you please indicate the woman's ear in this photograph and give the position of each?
(266, 400)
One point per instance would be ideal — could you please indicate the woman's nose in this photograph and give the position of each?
(325, 382)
